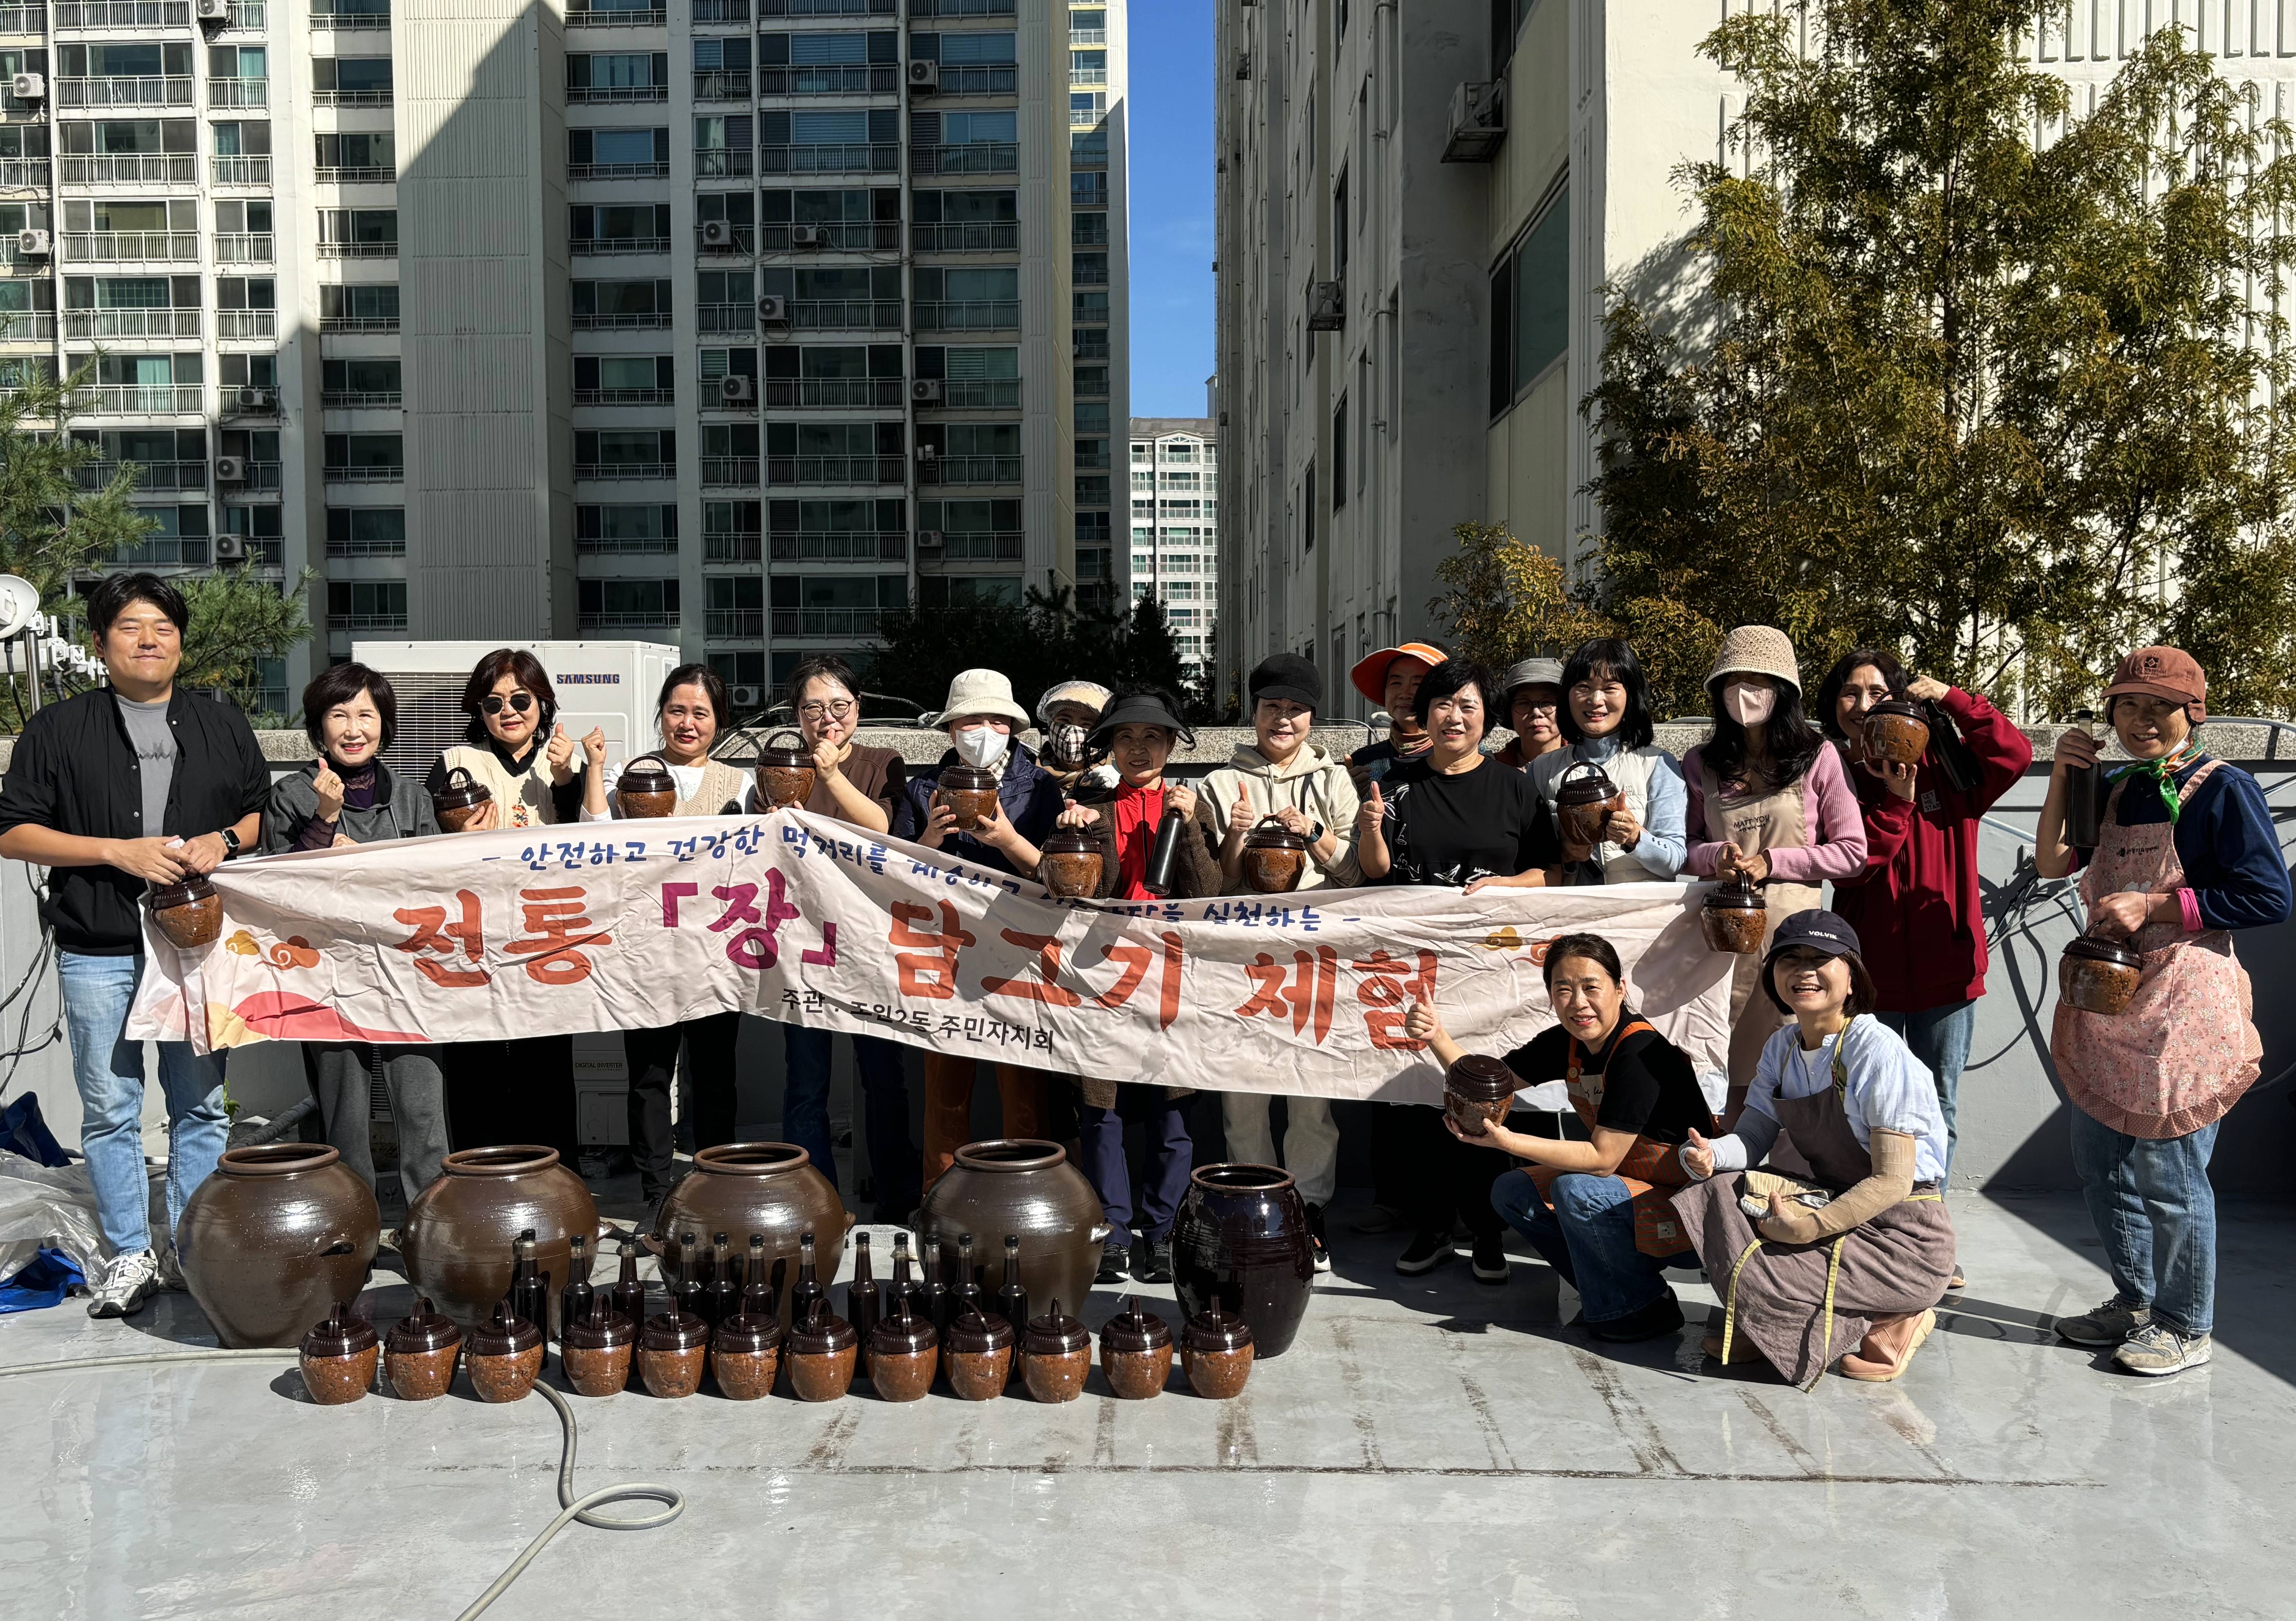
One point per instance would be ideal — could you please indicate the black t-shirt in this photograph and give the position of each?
(1648, 1086)
(1479, 823)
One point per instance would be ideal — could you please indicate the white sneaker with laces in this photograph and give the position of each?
(2157, 1349)
(132, 1278)
(2109, 1324)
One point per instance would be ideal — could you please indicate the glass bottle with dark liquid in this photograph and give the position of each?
(721, 1296)
(530, 1290)
(964, 1295)
(629, 1291)
(1012, 1299)
(574, 1300)
(936, 1288)
(808, 1287)
(685, 1295)
(758, 1295)
(904, 1285)
(865, 1297)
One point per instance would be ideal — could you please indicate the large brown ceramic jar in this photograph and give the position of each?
(1055, 1356)
(672, 1352)
(504, 1356)
(1241, 1242)
(970, 791)
(419, 1356)
(338, 1357)
(1274, 857)
(786, 776)
(1070, 865)
(1136, 1353)
(821, 1356)
(904, 1353)
(596, 1350)
(2099, 976)
(767, 1189)
(190, 914)
(274, 1237)
(1025, 1188)
(977, 1350)
(646, 788)
(1583, 803)
(1733, 917)
(459, 1230)
(1897, 732)
(459, 801)
(745, 1355)
(1216, 1351)
(1478, 1091)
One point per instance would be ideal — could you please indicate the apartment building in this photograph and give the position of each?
(729, 323)
(1176, 527)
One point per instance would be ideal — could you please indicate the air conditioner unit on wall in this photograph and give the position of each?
(231, 470)
(773, 309)
(925, 77)
(1327, 307)
(925, 391)
(929, 539)
(28, 86)
(230, 549)
(257, 399)
(32, 244)
(716, 234)
(746, 697)
(808, 236)
(1478, 123)
(734, 389)
(212, 10)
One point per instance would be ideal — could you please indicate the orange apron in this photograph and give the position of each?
(1651, 1170)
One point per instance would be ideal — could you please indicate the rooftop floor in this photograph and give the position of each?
(1429, 1442)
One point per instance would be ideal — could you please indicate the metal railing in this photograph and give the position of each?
(23, 19)
(366, 621)
(840, 546)
(982, 545)
(994, 236)
(835, 393)
(733, 546)
(629, 619)
(16, 172)
(261, 475)
(1087, 36)
(627, 546)
(1088, 275)
(154, 92)
(961, 8)
(738, 239)
(352, 98)
(365, 472)
(1088, 231)
(1093, 461)
(228, 402)
(237, 170)
(1087, 77)
(360, 399)
(131, 247)
(721, 11)
(618, 93)
(355, 174)
(865, 158)
(239, 92)
(972, 158)
(728, 622)
(359, 323)
(149, 475)
(648, 171)
(615, 17)
(969, 314)
(968, 470)
(619, 244)
(830, 8)
(722, 162)
(835, 314)
(839, 80)
(163, 552)
(856, 236)
(723, 318)
(595, 320)
(976, 79)
(130, 169)
(980, 394)
(614, 472)
(604, 397)
(355, 548)
(359, 250)
(122, 13)
(248, 17)
(131, 323)
(834, 469)
(343, 20)
(843, 622)
(137, 399)
(723, 85)
(28, 326)
(736, 470)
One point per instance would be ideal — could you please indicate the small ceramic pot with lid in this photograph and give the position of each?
(190, 914)
(1136, 1353)
(1733, 917)
(2099, 976)
(646, 788)
(1274, 857)
(1055, 1356)
(978, 1352)
(505, 1355)
(1897, 731)
(970, 791)
(1583, 803)
(786, 775)
(1478, 1091)
(904, 1354)
(418, 1355)
(822, 1353)
(459, 801)
(1216, 1351)
(339, 1357)
(1071, 867)
(672, 1350)
(746, 1354)
(596, 1350)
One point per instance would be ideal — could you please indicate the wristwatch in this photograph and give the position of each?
(1315, 835)
(230, 837)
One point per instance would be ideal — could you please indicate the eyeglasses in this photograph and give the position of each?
(1539, 706)
(494, 700)
(817, 711)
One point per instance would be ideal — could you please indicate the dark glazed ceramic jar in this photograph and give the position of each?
(745, 1355)
(459, 1230)
(1897, 732)
(1478, 1091)
(821, 1353)
(339, 1357)
(646, 788)
(596, 1350)
(1136, 1353)
(904, 1354)
(505, 1355)
(767, 1189)
(274, 1237)
(1274, 858)
(978, 1352)
(1055, 1356)
(190, 914)
(1733, 917)
(2098, 976)
(1583, 804)
(419, 1354)
(1242, 1243)
(459, 801)
(970, 791)
(1025, 1188)
(672, 1351)
(1217, 1352)
(785, 776)
(1071, 867)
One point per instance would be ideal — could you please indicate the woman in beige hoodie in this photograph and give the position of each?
(1281, 774)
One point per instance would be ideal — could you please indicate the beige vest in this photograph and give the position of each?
(524, 799)
(1630, 769)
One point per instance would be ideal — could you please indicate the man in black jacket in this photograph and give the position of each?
(138, 783)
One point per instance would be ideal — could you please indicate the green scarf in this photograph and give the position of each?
(2163, 774)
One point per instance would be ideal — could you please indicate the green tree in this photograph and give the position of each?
(238, 621)
(1505, 600)
(2012, 407)
(1042, 640)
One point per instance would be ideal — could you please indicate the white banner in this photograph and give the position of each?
(630, 925)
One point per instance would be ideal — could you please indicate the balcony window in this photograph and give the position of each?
(965, 143)
(249, 385)
(628, 604)
(617, 154)
(363, 307)
(834, 452)
(27, 311)
(640, 227)
(721, 69)
(966, 300)
(625, 76)
(127, 75)
(365, 457)
(351, 81)
(242, 232)
(615, 14)
(625, 453)
(854, 141)
(735, 608)
(839, 531)
(727, 299)
(363, 155)
(367, 604)
(243, 152)
(123, 231)
(834, 607)
(975, 530)
(650, 530)
(606, 305)
(366, 532)
(725, 222)
(129, 151)
(342, 15)
(239, 76)
(163, 459)
(731, 532)
(721, 146)
(624, 379)
(358, 234)
(729, 453)
(359, 384)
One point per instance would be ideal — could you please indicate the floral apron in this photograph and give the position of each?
(1651, 1170)
(1757, 822)
(2186, 1049)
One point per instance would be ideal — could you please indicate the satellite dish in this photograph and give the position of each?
(20, 604)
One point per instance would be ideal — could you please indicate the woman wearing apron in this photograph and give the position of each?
(1769, 802)
(1606, 726)
(1596, 1210)
(1853, 1257)
(2188, 854)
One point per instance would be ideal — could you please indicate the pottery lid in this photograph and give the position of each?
(194, 887)
(604, 1330)
(674, 1331)
(1737, 895)
(1900, 709)
(1055, 1334)
(1591, 788)
(1270, 834)
(422, 1329)
(645, 775)
(1217, 1330)
(823, 1332)
(505, 1335)
(795, 758)
(2095, 948)
(1134, 1329)
(1481, 1078)
(963, 779)
(903, 1334)
(1071, 841)
(460, 792)
(344, 1334)
(976, 1332)
(746, 1333)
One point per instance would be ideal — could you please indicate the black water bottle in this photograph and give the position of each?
(1159, 878)
(2086, 791)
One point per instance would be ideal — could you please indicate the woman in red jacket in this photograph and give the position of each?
(1915, 904)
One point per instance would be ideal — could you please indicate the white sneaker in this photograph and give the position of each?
(2157, 1349)
(132, 1278)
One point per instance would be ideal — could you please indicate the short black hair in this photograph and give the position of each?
(507, 661)
(1590, 948)
(339, 684)
(712, 686)
(1453, 675)
(1829, 690)
(822, 667)
(1608, 655)
(114, 592)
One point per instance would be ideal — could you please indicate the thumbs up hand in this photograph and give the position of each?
(1697, 1157)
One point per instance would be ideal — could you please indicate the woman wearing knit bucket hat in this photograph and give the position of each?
(2189, 855)
(1768, 802)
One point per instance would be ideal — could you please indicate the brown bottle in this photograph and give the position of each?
(629, 1291)
(1013, 1299)
(936, 1288)
(759, 1296)
(530, 1290)
(865, 1297)
(685, 1295)
(721, 1296)
(574, 1299)
(808, 1287)
(964, 1295)
(904, 1285)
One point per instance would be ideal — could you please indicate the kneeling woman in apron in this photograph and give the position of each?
(1854, 1258)
(1598, 1210)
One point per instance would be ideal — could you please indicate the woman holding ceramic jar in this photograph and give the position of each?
(1771, 804)
(1606, 727)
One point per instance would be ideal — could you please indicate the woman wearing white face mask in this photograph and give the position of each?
(1068, 712)
(1769, 802)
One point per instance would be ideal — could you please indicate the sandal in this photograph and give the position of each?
(1888, 1347)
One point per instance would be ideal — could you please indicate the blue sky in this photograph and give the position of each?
(1170, 131)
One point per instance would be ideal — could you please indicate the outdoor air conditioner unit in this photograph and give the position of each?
(925, 391)
(256, 400)
(231, 470)
(773, 309)
(929, 541)
(716, 234)
(231, 549)
(212, 10)
(1478, 123)
(808, 236)
(32, 244)
(1327, 307)
(925, 77)
(28, 86)
(745, 697)
(734, 389)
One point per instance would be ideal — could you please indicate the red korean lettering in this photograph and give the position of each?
(927, 966)
(434, 934)
(757, 946)
(1389, 987)
(558, 929)
(1047, 988)
(1137, 959)
(671, 894)
(1306, 993)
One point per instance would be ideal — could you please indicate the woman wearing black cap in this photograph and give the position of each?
(1855, 1258)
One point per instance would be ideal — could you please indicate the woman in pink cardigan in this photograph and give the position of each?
(1769, 802)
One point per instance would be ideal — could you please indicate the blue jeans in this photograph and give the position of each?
(1154, 1206)
(2154, 1208)
(109, 1070)
(1939, 1038)
(1589, 1236)
(893, 1158)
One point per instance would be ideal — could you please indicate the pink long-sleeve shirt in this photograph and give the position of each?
(1835, 843)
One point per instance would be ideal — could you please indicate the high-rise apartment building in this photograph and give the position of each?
(1176, 527)
(729, 323)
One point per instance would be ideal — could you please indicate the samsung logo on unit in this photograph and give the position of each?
(588, 679)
